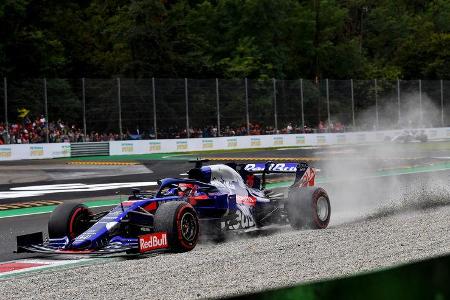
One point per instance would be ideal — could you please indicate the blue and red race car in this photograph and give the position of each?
(213, 200)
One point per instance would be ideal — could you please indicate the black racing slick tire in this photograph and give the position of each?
(69, 219)
(180, 221)
(308, 208)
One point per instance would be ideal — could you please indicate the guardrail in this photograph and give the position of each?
(40, 151)
(89, 149)
(261, 141)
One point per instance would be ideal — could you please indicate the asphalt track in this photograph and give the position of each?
(22, 174)
(387, 215)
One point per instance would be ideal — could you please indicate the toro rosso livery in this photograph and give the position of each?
(213, 200)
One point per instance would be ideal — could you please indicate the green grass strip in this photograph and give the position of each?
(419, 169)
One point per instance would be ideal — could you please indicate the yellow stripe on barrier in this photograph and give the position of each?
(265, 158)
(102, 163)
(303, 158)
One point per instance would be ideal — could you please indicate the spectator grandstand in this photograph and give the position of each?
(34, 130)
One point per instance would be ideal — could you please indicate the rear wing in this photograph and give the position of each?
(304, 175)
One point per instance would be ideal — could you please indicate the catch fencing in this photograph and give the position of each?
(155, 108)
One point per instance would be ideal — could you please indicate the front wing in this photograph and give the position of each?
(47, 249)
(152, 242)
(34, 243)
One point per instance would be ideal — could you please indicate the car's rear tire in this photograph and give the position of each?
(69, 219)
(179, 220)
(308, 208)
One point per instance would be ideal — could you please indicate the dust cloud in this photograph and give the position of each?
(368, 181)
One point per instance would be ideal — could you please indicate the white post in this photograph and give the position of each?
(218, 106)
(377, 121)
(328, 105)
(398, 101)
(83, 99)
(119, 103)
(154, 107)
(420, 104)
(46, 111)
(442, 103)
(275, 103)
(5, 99)
(246, 107)
(186, 94)
(301, 101)
(353, 104)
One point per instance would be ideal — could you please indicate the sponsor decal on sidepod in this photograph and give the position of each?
(153, 241)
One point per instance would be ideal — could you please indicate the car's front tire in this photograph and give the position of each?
(308, 208)
(69, 219)
(180, 221)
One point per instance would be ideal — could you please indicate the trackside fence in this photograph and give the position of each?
(82, 110)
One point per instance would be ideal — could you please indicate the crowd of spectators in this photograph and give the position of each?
(253, 129)
(36, 130)
(32, 132)
(174, 132)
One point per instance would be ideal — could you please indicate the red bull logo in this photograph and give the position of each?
(153, 241)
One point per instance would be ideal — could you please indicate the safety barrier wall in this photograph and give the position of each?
(261, 141)
(58, 150)
(34, 151)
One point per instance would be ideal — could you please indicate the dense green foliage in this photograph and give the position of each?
(421, 280)
(225, 38)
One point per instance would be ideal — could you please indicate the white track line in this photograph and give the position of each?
(40, 190)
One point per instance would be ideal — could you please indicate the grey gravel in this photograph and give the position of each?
(248, 265)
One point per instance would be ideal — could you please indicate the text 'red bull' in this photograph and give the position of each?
(153, 241)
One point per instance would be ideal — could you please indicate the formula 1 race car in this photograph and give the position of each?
(213, 200)
(408, 136)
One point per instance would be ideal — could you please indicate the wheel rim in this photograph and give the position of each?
(188, 227)
(322, 209)
(80, 223)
